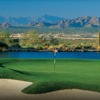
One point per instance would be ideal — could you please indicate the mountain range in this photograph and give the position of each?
(49, 21)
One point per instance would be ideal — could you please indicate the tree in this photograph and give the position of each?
(3, 46)
(30, 39)
(54, 41)
(4, 36)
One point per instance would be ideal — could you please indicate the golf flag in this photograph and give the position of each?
(55, 51)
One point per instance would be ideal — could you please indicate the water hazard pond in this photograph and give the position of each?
(73, 55)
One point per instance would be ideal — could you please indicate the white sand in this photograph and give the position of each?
(11, 90)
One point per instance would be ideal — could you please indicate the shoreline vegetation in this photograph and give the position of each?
(70, 49)
(34, 41)
(35, 50)
(59, 50)
(30, 50)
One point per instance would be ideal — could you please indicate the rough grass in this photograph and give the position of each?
(68, 74)
(44, 87)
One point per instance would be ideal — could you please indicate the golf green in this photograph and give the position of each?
(67, 73)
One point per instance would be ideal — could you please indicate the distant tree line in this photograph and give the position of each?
(31, 39)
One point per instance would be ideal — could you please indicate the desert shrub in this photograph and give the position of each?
(98, 48)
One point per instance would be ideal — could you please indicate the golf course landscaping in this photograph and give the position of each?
(67, 74)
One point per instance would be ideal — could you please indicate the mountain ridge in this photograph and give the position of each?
(50, 21)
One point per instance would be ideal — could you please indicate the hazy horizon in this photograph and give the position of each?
(62, 8)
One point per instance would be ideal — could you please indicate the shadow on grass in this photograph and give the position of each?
(21, 72)
(1, 65)
(17, 71)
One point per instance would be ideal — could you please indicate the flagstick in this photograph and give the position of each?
(54, 60)
(55, 51)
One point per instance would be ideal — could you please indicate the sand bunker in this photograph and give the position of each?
(11, 90)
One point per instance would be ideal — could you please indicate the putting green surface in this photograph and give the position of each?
(68, 73)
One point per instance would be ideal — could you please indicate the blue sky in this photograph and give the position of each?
(61, 8)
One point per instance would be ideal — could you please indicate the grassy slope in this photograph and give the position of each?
(83, 74)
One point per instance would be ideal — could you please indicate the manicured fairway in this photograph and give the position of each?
(68, 73)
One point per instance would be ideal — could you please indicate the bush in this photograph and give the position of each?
(78, 47)
(87, 47)
(98, 48)
(3, 46)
